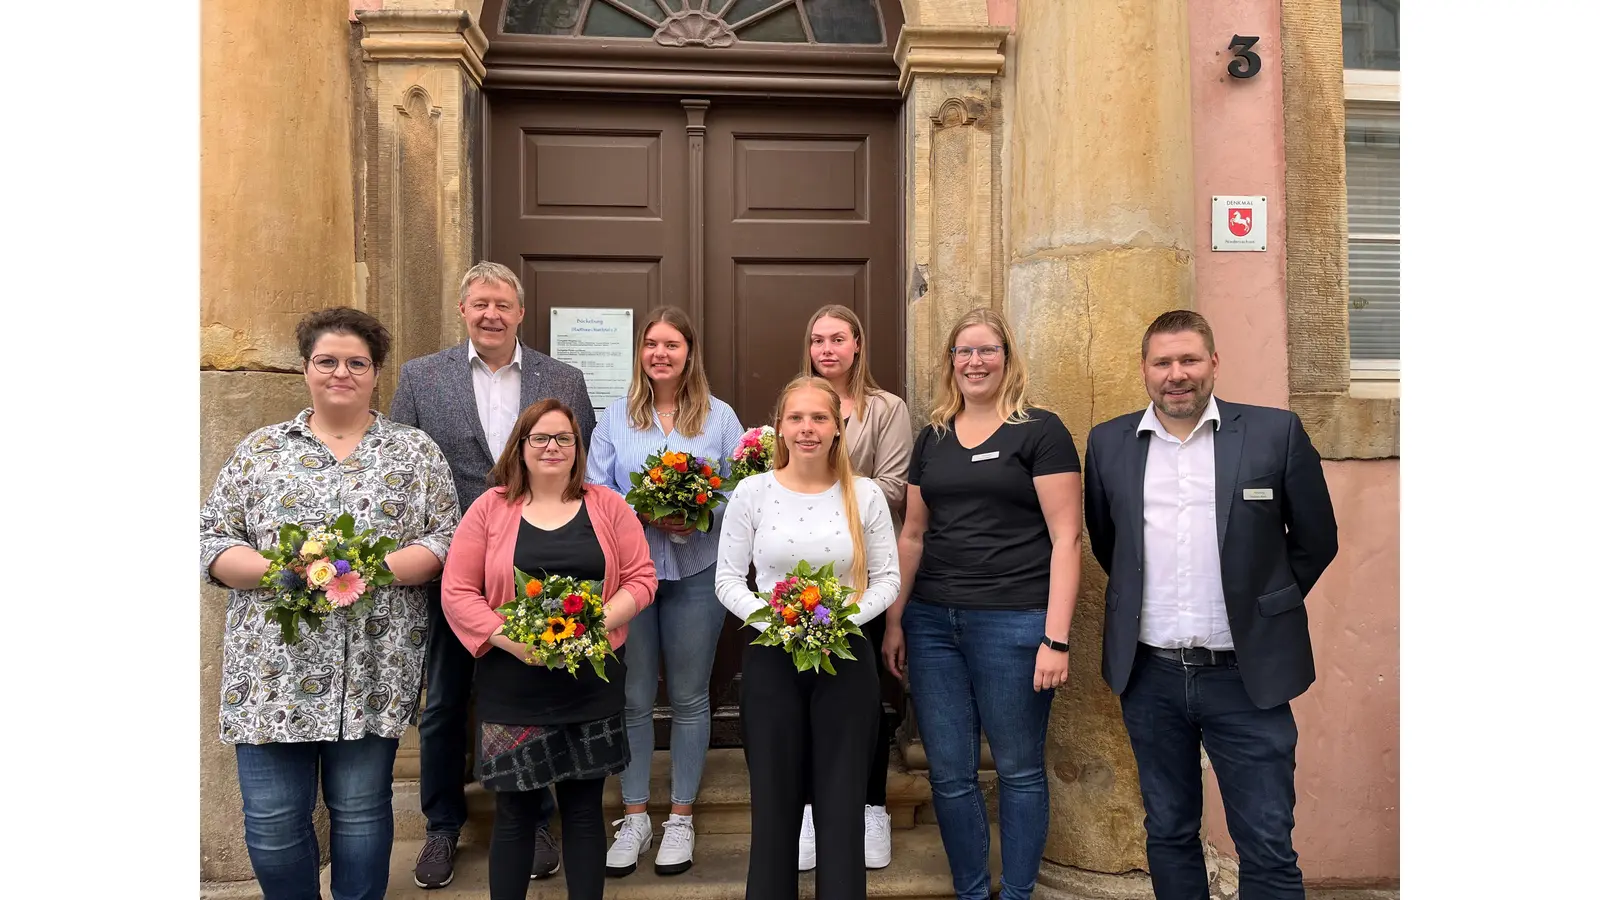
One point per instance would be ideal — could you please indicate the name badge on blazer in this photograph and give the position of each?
(1258, 493)
(980, 457)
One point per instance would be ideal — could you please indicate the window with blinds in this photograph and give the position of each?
(1372, 184)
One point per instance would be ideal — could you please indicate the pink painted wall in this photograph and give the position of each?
(1003, 12)
(1347, 779)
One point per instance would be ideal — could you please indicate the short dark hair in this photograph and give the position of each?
(1176, 322)
(511, 471)
(343, 320)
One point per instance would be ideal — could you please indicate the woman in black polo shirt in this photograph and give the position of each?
(989, 558)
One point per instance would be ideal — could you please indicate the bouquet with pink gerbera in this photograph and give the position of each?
(753, 455)
(331, 567)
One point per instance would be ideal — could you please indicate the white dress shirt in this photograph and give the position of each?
(499, 396)
(1183, 601)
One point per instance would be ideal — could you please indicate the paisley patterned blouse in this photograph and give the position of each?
(356, 677)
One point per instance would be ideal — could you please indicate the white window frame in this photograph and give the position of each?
(1373, 92)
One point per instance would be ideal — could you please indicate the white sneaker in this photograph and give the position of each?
(677, 846)
(633, 838)
(877, 837)
(808, 842)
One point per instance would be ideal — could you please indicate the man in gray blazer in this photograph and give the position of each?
(1213, 521)
(467, 398)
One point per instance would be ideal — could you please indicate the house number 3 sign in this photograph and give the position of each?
(1245, 63)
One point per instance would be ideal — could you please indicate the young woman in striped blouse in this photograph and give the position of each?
(669, 405)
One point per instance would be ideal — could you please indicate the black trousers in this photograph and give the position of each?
(517, 817)
(446, 726)
(791, 717)
(878, 774)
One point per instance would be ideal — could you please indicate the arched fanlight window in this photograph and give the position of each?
(706, 23)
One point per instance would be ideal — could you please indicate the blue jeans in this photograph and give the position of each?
(1171, 710)
(279, 786)
(682, 625)
(972, 669)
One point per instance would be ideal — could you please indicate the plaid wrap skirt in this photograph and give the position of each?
(528, 757)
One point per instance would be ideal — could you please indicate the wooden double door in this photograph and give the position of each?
(747, 216)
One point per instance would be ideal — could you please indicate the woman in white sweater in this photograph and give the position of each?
(809, 507)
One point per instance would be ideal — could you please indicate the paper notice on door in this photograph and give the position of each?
(600, 343)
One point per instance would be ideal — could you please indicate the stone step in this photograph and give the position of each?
(919, 872)
(722, 807)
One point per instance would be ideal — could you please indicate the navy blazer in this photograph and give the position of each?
(1272, 551)
(436, 395)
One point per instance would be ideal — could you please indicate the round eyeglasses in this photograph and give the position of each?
(355, 365)
(564, 439)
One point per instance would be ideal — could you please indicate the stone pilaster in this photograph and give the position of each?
(950, 75)
(422, 115)
(1101, 234)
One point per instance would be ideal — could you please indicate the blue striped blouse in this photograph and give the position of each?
(617, 449)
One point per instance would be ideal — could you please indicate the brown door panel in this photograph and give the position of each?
(588, 204)
(801, 211)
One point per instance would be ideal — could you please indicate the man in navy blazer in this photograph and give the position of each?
(1213, 522)
(467, 398)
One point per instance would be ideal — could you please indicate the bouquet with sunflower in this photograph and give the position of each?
(313, 573)
(808, 614)
(676, 486)
(753, 455)
(561, 620)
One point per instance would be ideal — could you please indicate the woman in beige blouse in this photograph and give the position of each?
(878, 438)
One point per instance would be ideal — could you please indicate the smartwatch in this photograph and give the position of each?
(1053, 645)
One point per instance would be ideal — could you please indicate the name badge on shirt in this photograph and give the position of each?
(1258, 493)
(980, 457)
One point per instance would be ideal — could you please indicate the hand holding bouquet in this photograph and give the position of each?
(311, 574)
(561, 621)
(753, 455)
(676, 485)
(808, 614)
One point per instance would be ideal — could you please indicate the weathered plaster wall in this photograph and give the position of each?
(277, 211)
(1348, 764)
(277, 241)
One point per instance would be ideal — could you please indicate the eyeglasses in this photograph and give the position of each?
(564, 439)
(357, 366)
(987, 353)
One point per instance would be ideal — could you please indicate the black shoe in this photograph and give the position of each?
(546, 854)
(436, 864)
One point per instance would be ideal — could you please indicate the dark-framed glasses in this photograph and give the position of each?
(987, 353)
(564, 439)
(355, 365)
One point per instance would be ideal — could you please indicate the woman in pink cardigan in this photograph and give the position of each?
(542, 727)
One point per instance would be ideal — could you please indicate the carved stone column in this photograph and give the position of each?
(422, 121)
(1101, 228)
(421, 105)
(950, 75)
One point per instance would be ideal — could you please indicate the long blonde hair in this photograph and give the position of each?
(862, 384)
(694, 392)
(1013, 400)
(838, 464)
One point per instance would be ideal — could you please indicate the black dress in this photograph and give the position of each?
(544, 725)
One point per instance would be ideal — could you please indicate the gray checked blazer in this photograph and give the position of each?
(435, 395)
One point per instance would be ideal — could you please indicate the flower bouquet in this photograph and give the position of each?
(676, 485)
(312, 573)
(561, 620)
(808, 614)
(753, 455)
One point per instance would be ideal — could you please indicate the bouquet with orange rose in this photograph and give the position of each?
(677, 486)
(561, 620)
(313, 573)
(808, 614)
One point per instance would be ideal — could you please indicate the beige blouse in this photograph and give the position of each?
(879, 438)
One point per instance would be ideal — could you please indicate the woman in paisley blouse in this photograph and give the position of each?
(333, 706)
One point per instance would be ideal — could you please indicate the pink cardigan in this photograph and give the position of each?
(478, 575)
